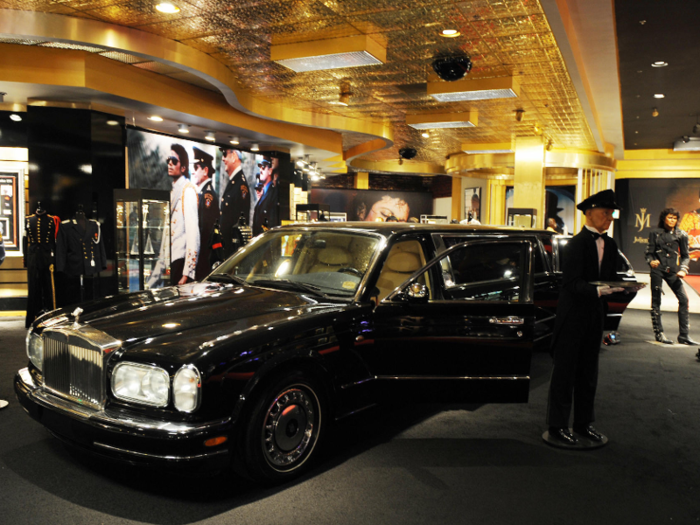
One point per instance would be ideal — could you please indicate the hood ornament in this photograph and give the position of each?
(76, 314)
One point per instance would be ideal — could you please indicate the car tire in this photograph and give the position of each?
(282, 432)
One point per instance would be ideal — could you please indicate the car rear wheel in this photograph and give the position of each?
(283, 430)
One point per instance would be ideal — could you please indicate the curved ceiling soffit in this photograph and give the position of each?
(463, 163)
(60, 28)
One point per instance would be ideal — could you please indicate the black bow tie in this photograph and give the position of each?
(597, 236)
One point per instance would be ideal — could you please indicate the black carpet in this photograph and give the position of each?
(422, 464)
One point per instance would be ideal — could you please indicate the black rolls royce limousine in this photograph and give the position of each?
(307, 324)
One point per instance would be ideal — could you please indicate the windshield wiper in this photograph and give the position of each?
(286, 284)
(225, 278)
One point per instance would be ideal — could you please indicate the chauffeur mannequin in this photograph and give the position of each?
(578, 332)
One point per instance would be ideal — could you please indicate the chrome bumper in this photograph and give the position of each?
(121, 432)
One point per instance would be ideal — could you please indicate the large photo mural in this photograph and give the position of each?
(212, 189)
(375, 205)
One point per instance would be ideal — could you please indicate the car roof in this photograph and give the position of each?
(389, 228)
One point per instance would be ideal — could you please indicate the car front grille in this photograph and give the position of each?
(74, 368)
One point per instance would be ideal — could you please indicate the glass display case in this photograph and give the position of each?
(142, 239)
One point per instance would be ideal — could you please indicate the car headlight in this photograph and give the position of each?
(145, 384)
(186, 388)
(35, 349)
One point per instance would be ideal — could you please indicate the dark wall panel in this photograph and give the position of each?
(12, 134)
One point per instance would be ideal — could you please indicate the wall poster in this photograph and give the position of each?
(374, 205)
(10, 211)
(472, 203)
(560, 205)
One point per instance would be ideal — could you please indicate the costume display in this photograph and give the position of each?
(670, 248)
(578, 330)
(80, 254)
(234, 201)
(41, 230)
(208, 216)
(266, 214)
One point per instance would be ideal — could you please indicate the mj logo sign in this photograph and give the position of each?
(642, 219)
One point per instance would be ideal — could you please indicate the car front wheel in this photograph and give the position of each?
(283, 430)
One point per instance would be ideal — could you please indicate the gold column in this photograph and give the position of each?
(457, 206)
(529, 183)
(495, 212)
(362, 180)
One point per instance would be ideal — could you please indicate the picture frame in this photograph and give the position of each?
(472, 203)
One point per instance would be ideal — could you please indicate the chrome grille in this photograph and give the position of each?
(74, 368)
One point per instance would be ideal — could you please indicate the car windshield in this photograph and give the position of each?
(323, 262)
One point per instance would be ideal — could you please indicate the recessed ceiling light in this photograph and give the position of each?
(317, 55)
(210, 136)
(112, 123)
(660, 63)
(450, 33)
(425, 135)
(183, 128)
(168, 8)
(255, 147)
(15, 117)
(155, 118)
(234, 141)
(659, 95)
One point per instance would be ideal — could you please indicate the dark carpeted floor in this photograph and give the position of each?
(422, 464)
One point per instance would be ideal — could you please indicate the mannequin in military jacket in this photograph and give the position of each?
(80, 254)
(235, 199)
(39, 251)
(208, 210)
(578, 333)
(668, 257)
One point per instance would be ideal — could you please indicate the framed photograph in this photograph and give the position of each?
(472, 203)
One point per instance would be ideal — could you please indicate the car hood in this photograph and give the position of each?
(154, 313)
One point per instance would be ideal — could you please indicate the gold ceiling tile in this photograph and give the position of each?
(136, 14)
(180, 28)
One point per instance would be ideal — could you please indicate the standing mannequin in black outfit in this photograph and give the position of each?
(578, 332)
(664, 249)
(235, 199)
(208, 211)
(39, 249)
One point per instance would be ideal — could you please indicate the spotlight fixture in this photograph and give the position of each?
(183, 128)
(519, 115)
(300, 162)
(654, 112)
(550, 145)
(475, 89)
(660, 63)
(15, 117)
(211, 136)
(659, 95)
(452, 68)
(353, 51)
(155, 118)
(425, 135)
(167, 8)
(408, 153)
(255, 147)
(2, 96)
(112, 123)
(430, 120)
(234, 141)
(450, 33)
(685, 139)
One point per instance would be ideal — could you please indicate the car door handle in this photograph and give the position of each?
(510, 320)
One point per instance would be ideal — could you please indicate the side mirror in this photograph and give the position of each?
(417, 292)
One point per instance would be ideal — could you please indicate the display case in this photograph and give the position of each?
(313, 212)
(142, 239)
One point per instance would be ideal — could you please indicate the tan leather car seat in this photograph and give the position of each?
(331, 259)
(404, 259)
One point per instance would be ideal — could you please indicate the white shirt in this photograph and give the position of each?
(600, 243)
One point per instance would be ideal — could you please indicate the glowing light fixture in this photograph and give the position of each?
(654, 112)
(167, 8)
(112, 122)
(659, 95)
(211, 136)
(475, 89)
(450, 33)
(430, 120)
(15, 117)
(491, 147)
(660, 63)
(255, 147)
(334, 53)
(155, 118)
(425, 135)
(234, 141)
(183, 128)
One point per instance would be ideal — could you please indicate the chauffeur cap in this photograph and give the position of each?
(602, 199)
(266, 162)
(202, 157)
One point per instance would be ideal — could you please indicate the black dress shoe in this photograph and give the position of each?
(563, 435)
(686, 340)
(661, 338)
(590, 433)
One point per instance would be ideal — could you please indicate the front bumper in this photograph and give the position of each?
(125, 436)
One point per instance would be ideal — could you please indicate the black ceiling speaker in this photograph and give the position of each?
(407, 153)
(452, 68)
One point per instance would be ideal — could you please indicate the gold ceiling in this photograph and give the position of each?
(502, 37)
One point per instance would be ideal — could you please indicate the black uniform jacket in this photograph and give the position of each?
(266, 208)
(236, 199)
(40, 240)
(578, 299)
(208, 215)
(665, 247)
(80, 249)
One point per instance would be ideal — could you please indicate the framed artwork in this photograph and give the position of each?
(472, 203)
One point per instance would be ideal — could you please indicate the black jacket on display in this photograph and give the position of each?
(39, 249)
(236, 199)
(79, 248)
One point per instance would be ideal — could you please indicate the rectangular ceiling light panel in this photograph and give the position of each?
(319, 55)
(467, 119)
(478, 89)
(493, 147)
